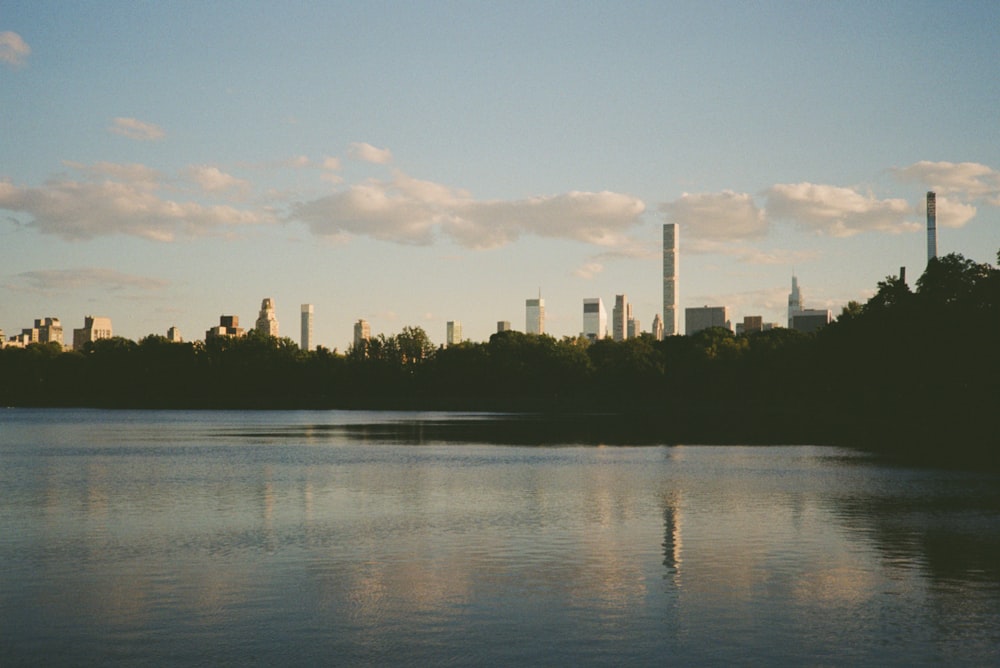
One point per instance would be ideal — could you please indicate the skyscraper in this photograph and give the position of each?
(671, 237)
(619, 318)
(704, 317)
(794, 301)
(306, 334)
(454, 333)
(931, 226)
(534, 315)
(658, 327)
(595, 319)
(267, 323)
(362, 332)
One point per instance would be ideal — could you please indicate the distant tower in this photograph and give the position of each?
(658, 327)
(595, 319)
(362, 332)
(267, 323)
(671, 236)
(306, 340)
(454, 333)
(931, 226)
(503, 326)
(619, 318)
(794, 301)
(174, 335)
(534, 315)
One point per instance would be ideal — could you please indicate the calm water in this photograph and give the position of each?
(351, 538)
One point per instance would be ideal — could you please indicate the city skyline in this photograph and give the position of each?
(380, 165)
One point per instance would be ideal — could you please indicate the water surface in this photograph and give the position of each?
(357, 538)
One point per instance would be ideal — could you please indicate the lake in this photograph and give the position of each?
(365, 538)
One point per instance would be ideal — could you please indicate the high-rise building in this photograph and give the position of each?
(534, 316)
(595, 319)
(229, 325)
(503, 326)
(267, 323)
(362, 332)
(619, 318)
(697, 319)
(453, 334)
(306, 331)
(794, 300)
(94, 329)
(931, 226)
(633, 325)
(811, 319)
(753, 323)
(658, 327)
(174, 335)
(671, 235)
(50, 330)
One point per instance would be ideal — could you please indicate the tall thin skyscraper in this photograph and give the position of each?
(931, 226)
(595, 319)
(307, 327)
(619, 318)
(794, 301)
(534, 315)
(453, 332)
(671, 237)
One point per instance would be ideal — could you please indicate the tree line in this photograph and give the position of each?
(907, 369)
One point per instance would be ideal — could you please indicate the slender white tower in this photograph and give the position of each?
(931, 226)
(671, 237)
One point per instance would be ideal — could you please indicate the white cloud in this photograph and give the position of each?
(14, 51)
(963, 179)
(837, 211)
(368, 153)
(213, 180)
(331, 163)
(589, 270)
(75, 279)
(722, 215)
(136, 129)
(77, 210)
(409, 210)
(952, 213)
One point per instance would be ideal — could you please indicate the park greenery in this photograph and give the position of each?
(915, 369)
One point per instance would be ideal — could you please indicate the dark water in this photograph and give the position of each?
(349, 538)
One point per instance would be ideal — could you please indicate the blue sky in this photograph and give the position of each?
(413, 163)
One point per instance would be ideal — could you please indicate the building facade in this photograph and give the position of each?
(94, 328)
(229, 325)
(174, 335)
(810, 320)
(50, 330)
(503, 326)
(658, 327)
(931, 226)
(703, 317)
(306, 329)
(267, 322)
(620, 315)
(534, 316)
(671, 238)
(595, 319)
(362, 332)
(453, 332)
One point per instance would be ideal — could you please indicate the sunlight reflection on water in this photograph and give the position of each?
(283, 537)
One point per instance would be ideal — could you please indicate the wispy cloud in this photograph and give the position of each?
(837, 211)
(409, 210)
(136, 129)
(213, 180)
(588, 270)
(719, 215)
(126, 202)
(58, 280)
(14, 51)
(368, 153)
(966, 180)
(748, 254)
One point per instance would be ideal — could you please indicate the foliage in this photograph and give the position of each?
(905, 369)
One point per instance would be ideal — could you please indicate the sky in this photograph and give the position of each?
(412, 163)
